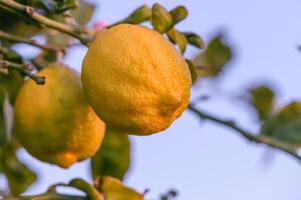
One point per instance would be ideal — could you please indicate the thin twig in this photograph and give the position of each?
(31, 12)
(14, 38)
(25, 69)
(259, 139)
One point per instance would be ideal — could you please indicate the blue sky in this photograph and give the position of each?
(200, 159)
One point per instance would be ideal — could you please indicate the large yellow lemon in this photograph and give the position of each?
(54, 122)
(135, 80)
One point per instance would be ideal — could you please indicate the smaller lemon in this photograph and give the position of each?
(53, 122)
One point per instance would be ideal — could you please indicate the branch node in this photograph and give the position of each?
(29, 10)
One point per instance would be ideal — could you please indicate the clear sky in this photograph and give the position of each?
(203, 160)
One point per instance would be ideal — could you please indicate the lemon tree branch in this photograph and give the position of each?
(14, 38)
(30, 12)
(25, 69)
(259, 139)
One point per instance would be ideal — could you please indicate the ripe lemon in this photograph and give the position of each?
(54, 122)
(135, 80)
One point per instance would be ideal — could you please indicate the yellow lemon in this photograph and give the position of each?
(54, 122)
(135, 80)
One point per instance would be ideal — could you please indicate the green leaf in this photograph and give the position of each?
(214, 58)
(113, 158)
(161, 19)
(178, 38)
(138, 16)
(11, 83)
(18, 175)
(2, 98)
(84, 12)
(195, 40)
(58, 39)
(263, 100)
(44, 59)
(13, 22)
(192, 70)
(285, 125)
(82, 185)
(11, 55)
(2, 120)
(179, 14)
(113, 189)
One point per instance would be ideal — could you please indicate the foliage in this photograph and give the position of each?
(64, 24)
(263, 100)
(212, 61)
(285, 125)
(113, 158)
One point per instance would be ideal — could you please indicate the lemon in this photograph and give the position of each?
(135, 80)
(54, 122)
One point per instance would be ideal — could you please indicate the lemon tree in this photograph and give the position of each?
(135, 79)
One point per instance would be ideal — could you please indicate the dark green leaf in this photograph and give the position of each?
(178, 38)
(214, 58)
(11, 83)
(263, 100)
(285, 125)
(113, 158)
(64, 5)
(19, 176)
(44, 59)
(195, 40)
(113, 189)
(192, 70)
(2, 120)
(161, 19)
(15, 23)
(10, 55)
(179, 14)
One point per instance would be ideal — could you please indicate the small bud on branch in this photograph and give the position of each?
(25, 69)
